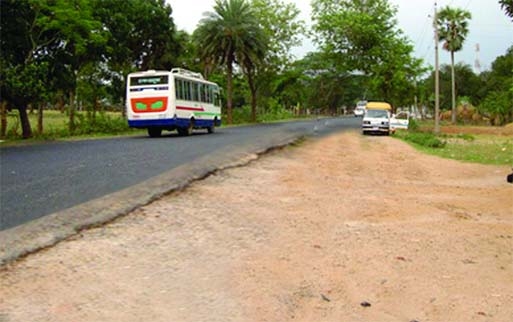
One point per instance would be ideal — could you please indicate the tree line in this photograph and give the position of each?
(76, 54)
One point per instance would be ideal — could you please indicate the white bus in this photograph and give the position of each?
(172, 100)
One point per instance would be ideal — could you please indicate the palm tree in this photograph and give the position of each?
(231, 34)
(507, 6)
(452, 30)
(250, 58)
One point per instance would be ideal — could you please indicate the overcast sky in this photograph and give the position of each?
(489, 27)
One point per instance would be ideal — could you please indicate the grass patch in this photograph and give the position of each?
(483, 149)
(477, 148)
(428, 140)
(56, 126)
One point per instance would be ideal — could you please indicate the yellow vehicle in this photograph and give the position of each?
(376, 118)
(378, 106)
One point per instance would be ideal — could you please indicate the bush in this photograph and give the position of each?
(429, 140)
(413, 125)
(242, 115)
(101, 124)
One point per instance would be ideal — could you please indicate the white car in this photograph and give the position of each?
(359, 110)
(376, 121)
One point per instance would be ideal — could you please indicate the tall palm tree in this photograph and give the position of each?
(452, 30)
(231, 34)
(250, 58)
(507, 6)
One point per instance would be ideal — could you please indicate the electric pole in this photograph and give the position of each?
(437, 87)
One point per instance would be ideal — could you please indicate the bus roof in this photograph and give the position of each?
(180, 72)
(378, 106)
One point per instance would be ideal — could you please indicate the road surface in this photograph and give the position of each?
(42, 179)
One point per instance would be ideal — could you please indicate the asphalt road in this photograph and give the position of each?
(41, 179)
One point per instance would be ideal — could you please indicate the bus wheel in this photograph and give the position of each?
(211, 129)
(186, 131)
(154, 132)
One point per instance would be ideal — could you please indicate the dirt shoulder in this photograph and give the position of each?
(308, 233)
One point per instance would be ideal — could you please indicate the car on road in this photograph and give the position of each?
(376, 118)
(359, 110)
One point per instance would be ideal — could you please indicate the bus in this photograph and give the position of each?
(179, 100)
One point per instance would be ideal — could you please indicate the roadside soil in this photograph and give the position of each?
(343, 228)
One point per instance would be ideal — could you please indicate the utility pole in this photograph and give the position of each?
(437, 85)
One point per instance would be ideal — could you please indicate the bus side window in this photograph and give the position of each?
(187, 90)
(217, 97)
(201, 94)
(204, 93)
(210, 92)
(178, 89)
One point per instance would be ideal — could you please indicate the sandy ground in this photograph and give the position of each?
(347, 228)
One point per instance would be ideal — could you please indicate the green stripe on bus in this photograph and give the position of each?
(207, 113)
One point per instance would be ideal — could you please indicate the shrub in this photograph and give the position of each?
(101, 124)
(413, 125)
(425, 139)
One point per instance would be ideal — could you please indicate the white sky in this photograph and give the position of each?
(489, 27)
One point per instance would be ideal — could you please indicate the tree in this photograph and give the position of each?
(498, 90)
(140, 35)
(282, 30)
(22, 68)
(507, 6)
(452, 29)
(230, 32)
(361, 37)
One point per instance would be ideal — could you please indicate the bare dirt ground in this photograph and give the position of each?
(346, 228)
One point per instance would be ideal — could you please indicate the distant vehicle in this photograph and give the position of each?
(376, 118)
(400, 121)
(359, 110)
(172, 100)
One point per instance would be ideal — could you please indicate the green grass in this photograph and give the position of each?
(55, 126)
(477, 148)
(485, 149)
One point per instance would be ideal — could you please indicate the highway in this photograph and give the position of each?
(40, 179)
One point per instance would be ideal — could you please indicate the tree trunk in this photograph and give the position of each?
(40, 119)
(229, 89)
(3, 119)
(60, 102)
(72, 125)
(252, 88)
(453, 88)
(25, 123)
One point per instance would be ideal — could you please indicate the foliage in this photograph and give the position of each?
(485, 149)
(242, 115)
(482, 149)
(89, 45)
(498, 106)
(361, 37)
(279, 20)
(507, 6)
(282, 28)
(424, 139)
(498, 88)
(56, 125)
(413, 125)
(452, 29)
(467, 83)
(103, 123)
(228, 35)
